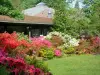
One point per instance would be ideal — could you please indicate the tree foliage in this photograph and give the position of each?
(92, 11)
(7, 8)
(24, 4)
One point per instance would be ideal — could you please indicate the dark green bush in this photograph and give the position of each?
(3, 70)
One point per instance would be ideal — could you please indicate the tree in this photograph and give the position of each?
(28, 3)
(77, 4)
(93, 12)
(7, 8)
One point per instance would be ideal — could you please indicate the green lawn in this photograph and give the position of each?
(75, 65)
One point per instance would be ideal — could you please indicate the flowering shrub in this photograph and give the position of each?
(15, 65)
(65, 41)
(8, 41)
(18, 65)
(12, 44)
(73, 42)
(17, 43)
(69, 50)
(49, 36)
(89, 46)
(46, 53)
(40, 42)
(14, 48)
(58, 53)
(37, 62)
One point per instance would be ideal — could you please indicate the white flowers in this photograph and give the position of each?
(74, 42)
(54, 33)
(68, 41)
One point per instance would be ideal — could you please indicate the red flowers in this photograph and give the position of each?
(8, 41)
(11, 42)
(11, 46)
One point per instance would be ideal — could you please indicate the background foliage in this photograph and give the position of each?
(8, 8)
(73, 21)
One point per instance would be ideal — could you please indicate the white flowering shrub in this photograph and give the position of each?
(73, 42)
(68, 40)
(49, 36)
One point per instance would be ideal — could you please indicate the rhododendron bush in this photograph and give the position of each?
(58, 53)
(13, 50)
(18, 66)
(66, 39)
(63, 41)
(39, 43)
(10, 43)
(18, 43)
(19, 54)
(90, 46)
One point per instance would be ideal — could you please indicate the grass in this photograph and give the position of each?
(75, 65)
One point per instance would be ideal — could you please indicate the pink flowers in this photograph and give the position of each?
(13, 49)
(97, 40)
(18, 65)
(58, 53)
(40, 42)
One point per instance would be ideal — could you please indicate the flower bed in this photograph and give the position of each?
(20, 55)
(14, 49)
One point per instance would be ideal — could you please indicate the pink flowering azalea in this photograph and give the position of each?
(97, 40)
(3, 60)
(40, 42)
(57, 53)
(16, 71)
(38, 71)
(2, 53)
(31, 69)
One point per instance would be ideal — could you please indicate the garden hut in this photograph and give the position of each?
(37, 21)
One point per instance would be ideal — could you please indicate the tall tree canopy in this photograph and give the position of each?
(92, 11)
(7, 8)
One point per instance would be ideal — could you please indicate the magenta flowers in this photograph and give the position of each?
(58, 53)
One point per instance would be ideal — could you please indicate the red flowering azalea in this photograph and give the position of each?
(25, 43)
(8, 41)
(4, 36)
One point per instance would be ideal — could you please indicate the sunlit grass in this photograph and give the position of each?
(75, 65)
